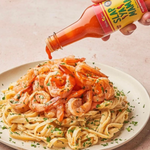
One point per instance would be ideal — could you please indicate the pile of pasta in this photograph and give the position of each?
(64, 102)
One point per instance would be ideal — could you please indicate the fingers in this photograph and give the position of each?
(97, 1)
(127, 30)
(106, 38)
(145, 20)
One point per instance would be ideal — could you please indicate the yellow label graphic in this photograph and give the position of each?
(115, 14)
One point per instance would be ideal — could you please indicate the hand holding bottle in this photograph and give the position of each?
(145, 20)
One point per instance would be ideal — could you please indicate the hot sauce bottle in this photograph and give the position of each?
(98, 20)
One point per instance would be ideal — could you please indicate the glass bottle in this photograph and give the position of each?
(98, 20)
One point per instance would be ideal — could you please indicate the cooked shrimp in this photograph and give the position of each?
(25, 81)
(57, 61)
(95, 105)
(38, 101)
(90, 71)
(54, 68)
(38, 84)
(55, 75)
(59, 84)
(67, 68)
(67, 111)
(43, 68)
(60, 101)
(71, 60)
(76, 94)
(20, 101)
(76, 106)
(56, 110)
(102, 89)
(50, 113)
(86, 75)
(60, 111)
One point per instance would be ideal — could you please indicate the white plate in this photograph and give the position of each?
(136, 95)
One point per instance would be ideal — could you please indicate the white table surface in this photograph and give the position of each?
(25, 24)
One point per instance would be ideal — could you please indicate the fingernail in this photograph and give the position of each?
(131, 31)
(148, 20)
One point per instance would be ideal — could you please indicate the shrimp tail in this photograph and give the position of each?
(76, 94)
(50, 103)
(60, 112)
(73, 60)
(64, 69)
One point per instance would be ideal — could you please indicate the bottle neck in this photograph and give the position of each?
(65, 37)
(53, 43)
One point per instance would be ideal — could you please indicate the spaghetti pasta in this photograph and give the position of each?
(64, 102)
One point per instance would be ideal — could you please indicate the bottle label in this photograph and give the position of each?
(115, 14)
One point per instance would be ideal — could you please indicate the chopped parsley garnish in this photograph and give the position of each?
(71, 130)
(18, 96)
(126, 121)
(134, 123)
(33, 145)
(49, 127)
(27, 120)
(44, 119)
(103, 139)
(129, 129)
(39, 65)
(3, 98)
(25, 86)
(83, 87)
(57, 129)
(16, 133)
(98, 105)
(4, 128)
(102, 89)
(62, 63)
(48, 84)
(42, 86)
(98, 80)
(112, 111)
(128, 110)
(48, 139)
(41, 96)
(106, 144)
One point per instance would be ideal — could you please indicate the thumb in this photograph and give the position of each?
(97, 1)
